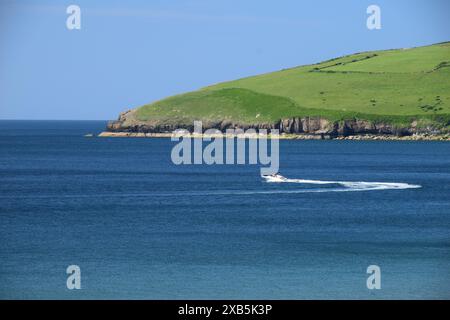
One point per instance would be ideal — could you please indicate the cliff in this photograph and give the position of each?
(318, 126)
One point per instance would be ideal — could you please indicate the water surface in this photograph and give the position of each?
(140, 227)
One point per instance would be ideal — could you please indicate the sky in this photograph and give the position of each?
(130, 53)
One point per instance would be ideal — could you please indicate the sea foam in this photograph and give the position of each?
(345, 185)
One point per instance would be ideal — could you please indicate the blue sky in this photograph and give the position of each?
(129, 53)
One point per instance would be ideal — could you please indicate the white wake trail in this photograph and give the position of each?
(347, 185)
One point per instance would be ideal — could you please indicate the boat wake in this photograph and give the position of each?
(327, 186)
(344, 185)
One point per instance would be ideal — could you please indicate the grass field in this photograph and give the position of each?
(391, 85)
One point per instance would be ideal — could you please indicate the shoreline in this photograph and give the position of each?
(283, 136)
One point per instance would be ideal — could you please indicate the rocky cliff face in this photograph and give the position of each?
(127, 122)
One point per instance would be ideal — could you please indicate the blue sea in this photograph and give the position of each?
(140, 227)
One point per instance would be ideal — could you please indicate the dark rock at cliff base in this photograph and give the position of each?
(320, 126)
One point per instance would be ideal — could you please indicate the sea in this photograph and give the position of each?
(139, 226)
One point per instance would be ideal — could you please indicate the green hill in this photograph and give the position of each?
(394, 86)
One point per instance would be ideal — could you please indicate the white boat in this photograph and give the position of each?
(274, 177)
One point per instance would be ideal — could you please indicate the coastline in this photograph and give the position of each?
(283, 136)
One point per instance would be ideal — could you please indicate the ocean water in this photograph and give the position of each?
(140, 227)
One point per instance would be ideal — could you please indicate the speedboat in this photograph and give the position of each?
(274, 177)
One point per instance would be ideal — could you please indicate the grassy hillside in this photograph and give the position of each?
(391, 85)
